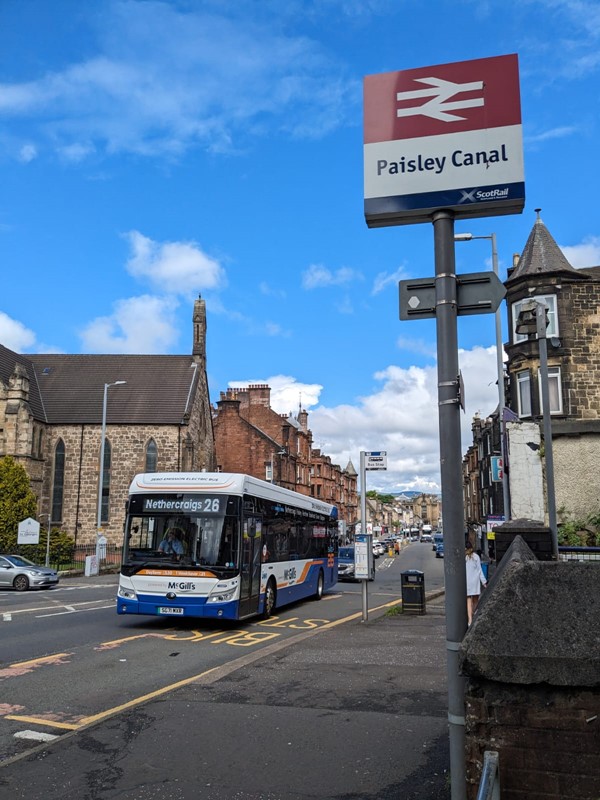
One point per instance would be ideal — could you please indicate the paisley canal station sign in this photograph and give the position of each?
(443, 137)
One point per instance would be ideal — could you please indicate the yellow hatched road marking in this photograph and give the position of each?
(41, 721)
(136, 701)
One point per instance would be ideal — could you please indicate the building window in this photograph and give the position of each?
(58, 482)
(105, 483)
(151, 456)
(554, 390)
(549, 300)
(524, 393)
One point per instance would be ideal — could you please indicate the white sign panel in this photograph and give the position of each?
(376, 460)
(28, 532)
(361, 557)
(447, 136)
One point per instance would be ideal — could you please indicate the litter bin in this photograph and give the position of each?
(413, 591)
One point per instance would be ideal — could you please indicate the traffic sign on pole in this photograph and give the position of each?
(376, 460)
(477, 293)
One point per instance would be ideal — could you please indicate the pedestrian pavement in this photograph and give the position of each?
(352, 711)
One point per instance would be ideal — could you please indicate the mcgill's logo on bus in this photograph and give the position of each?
(183, 586)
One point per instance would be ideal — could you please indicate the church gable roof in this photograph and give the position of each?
(158, 389)
(542, 256)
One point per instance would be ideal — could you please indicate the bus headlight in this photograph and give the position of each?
(128, 594)
(221, 595)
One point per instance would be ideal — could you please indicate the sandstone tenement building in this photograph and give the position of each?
(572, 297)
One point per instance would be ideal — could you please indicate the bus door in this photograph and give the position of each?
(251, 565)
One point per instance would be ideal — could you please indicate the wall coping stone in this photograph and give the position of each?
(537, 622)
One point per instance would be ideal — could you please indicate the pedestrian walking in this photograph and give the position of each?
(475, 580)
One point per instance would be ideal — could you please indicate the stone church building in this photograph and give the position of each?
(158, 418)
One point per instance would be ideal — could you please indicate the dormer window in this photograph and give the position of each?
(549, 300)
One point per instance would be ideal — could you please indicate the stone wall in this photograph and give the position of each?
(532, 663)
(580, 328)
(82, 460)
(577, 483)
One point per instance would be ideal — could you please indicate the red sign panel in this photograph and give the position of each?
(449, 98)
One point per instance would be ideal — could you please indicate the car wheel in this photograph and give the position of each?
(320, 586)
(21, 583)
(270, 599)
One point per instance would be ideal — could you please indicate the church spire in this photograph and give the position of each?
(199, 341)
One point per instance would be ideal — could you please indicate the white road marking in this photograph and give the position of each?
(36, 736)
(73, 611)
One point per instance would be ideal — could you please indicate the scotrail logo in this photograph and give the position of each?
(480, 195)
(439, 106)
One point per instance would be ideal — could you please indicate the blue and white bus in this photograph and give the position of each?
(222, 546)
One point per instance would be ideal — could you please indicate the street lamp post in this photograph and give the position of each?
(48, 540)
(101, 477)
(466, 237)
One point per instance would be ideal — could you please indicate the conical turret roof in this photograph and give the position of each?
(541, 255)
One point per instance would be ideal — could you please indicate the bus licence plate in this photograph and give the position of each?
(169, 610)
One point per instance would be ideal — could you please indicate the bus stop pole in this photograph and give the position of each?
(363, 529)
(449, 403)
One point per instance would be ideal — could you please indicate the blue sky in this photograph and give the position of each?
(152, 151)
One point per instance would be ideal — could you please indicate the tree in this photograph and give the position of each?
(17, 501)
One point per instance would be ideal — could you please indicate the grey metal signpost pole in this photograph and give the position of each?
(452, 495)
(363, 529)
(541, 323)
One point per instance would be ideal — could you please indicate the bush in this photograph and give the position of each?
(17, 502)
(62, 548)
(574, 532)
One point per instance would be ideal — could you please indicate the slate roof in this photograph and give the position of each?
(542, 255)
(69, 389)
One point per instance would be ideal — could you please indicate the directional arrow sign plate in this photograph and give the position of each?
(417, 299)
(477, 293)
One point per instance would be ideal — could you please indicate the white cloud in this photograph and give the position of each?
(76, 152)
(269, 291)
(554, 133)
(287, 393)
(143, 324)
(402, 419)
(14, 335)
(173, 267)
(318, 277)
(425, 348)
(161, 79)
(274, 329)
(586, 254)
(28, 153)
(385, 279)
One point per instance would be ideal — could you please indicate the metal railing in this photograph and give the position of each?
(66, 558)
(489, 785)
(566, 553)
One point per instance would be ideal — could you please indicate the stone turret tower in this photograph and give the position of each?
(199, 345)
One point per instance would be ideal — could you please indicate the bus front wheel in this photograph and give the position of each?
(320, 586)
(270, 599)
